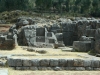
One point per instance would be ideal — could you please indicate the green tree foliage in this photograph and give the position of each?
(13, 5)
(87, 7)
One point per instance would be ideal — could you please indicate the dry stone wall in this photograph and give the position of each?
(54, 64)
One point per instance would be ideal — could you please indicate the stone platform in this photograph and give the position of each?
(57, 64)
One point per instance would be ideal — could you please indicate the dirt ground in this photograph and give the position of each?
(51, 53)
(4, 27)
(20, 50)
(13, 72)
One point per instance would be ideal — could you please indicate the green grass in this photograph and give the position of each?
(92, 52)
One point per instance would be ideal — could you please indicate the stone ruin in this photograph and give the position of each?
(36, 37)
(81, 33)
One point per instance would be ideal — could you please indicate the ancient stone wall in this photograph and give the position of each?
(54, 64)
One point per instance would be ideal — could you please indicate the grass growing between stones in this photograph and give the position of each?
(92, 52)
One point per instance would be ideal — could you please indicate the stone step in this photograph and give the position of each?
(54, 64)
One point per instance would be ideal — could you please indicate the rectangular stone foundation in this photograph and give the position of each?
(54, 64)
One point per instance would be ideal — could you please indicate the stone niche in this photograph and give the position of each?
(36, 37)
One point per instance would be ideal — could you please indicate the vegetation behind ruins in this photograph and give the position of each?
(86, 8)
(70, 7)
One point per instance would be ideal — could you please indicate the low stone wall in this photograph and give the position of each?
(54, 64)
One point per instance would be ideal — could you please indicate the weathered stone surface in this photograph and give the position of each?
(70, 62)
(11, 62)
(25, 68)
(35, 62)
(69, 27)
(42, 68)
(44, 62)
(87, 63)
(90, 32)
(96, 69)
(80, 68)
(18, 68)
(54, 62)
(97, 34)
(27, 62)
(33, 68)
(70, 68)
(95, 63)
(63, 63)
(84, 38)
(97, 46)
(82, 46)
(89, 68)
(57, 68)
(78, 63)
(68, 38)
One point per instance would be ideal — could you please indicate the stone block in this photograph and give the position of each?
(11, 62)
(63, 63)
(42, 68)
(97, 46)
(87, 63)
(78, 63)
(68, 38)
(22, 68)
(97, 34)
(82, 46)
(49, 68)
(70, 62)
(89, 68)
(96, 69)
(54, 62)
(80, 69)
(44, 62)
(70, 68)
(33, 68)
(18, 68)
(68, 27)
(25, 68)
(27, 63)
(90, 32)
(95, 63)
(35, 62)
(57, 69)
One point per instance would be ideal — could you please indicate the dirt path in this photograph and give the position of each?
(54, 72)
